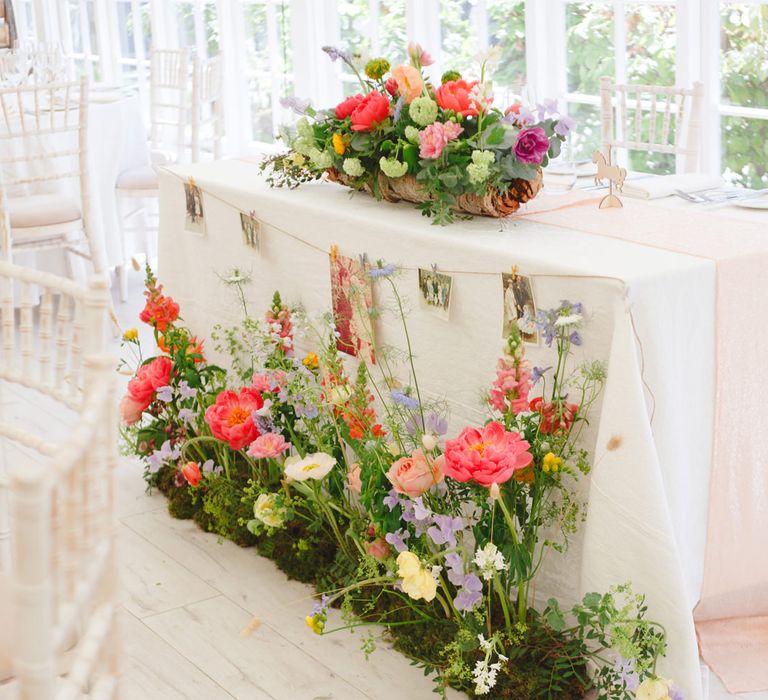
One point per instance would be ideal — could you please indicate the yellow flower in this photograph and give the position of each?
(551, 462)
(311, 361)
(265, 509)
(417, 581)
(653, 689)
(340, 143)
(298, 159)
(131, 335)
(315, 625)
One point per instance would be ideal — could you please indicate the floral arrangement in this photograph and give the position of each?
(438, 539)
(446, 147)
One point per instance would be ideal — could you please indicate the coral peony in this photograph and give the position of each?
(378, 549)
(456, 95)
(555, 417)
(268, 446)
(372, 110)
(409, 82)
(414, 475)
(344, 109)
(142, 388)
(486, 455)
(191, 472)
(511, 387)
(231, 417)
(531, 145)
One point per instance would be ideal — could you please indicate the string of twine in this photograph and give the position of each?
(435, 268)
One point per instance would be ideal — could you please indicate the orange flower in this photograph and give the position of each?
(194, 347)
(340, 143)
(160, 311)
(191, 472)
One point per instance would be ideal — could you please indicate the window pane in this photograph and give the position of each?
(586, 137)
(589, 36)
(506, 28)
(392, 30)
(745, 151)
(651, 40)
(744, 57)
(460, 42)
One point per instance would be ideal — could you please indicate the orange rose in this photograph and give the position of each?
(410, 84)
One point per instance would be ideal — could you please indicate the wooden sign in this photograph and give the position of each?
(615, 176)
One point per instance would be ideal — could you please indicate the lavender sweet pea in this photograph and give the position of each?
(531, 145)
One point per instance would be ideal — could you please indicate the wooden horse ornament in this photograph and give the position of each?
(613, 173)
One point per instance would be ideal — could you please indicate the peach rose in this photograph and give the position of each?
(414, 475)
(409, 82)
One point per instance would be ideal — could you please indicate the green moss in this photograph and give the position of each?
(222, 503)
(301, 555)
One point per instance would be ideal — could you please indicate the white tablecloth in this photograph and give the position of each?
(117, 141)
(651, 318)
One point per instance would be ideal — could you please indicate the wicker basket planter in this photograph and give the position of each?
(493, 203)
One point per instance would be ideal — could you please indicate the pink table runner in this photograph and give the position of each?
(732, 614)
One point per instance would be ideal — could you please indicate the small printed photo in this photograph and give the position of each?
(251, 228)
(195, 216)
(519, 306)
(435, 292)
(352, 301)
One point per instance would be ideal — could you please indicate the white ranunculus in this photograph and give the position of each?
(313, 466)
(266, 510)
(653, 689)
(339, 395)
(429, 441)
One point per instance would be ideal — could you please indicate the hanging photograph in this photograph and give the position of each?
(435, 292)
(352, 301)
(519, 306)
(251, 228)
(195, 221)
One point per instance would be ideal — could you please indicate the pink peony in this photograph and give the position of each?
(531, 145)
(230, 418)
(511, 387)
(414, 475)
(353, 478)
(141, 389)
(130, 410)
(378, 549)
(269, 381)
(486, 456)
(433, 138)
(409, 82)
(268, 446)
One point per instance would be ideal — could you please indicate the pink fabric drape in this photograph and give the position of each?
(732, 614)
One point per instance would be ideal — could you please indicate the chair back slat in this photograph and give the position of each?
(680, 119)
(169, 75)
(207, 106)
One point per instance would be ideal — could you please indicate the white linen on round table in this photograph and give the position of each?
(117, 141)
(648, 499)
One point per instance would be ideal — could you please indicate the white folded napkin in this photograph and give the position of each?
(665, 185)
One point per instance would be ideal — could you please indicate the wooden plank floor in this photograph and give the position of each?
(187, 595)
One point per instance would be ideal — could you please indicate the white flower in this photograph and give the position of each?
(265, 410)
(339, 395)
(653, 689)
(570, 320)
(489, 560)
(429, 442)
(353, 167)
(313, 466)
(266, 511)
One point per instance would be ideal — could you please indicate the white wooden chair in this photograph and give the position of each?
(60, 616)
(44, 164)
(638, 109)
(207, 106)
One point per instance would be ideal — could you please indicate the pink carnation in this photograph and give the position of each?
(511, 387)
(489, 455)
(268, 446)
(231, 417)
(433, 138)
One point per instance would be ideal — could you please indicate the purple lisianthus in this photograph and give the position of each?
(382, 271)
(444, 530)
(434, 424)
(309, 410)
(627, 674)
(676, 694)
(392, 500)
(470, 594)
(531, 145)
(576, 338)
(297, 104)
(336, 54)
(163, 455)
(538, 373)
(321, 606)
(187, 415)
(454, 566)
(397, 539)
(565, 125)
(398, 109)
(165, 394)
